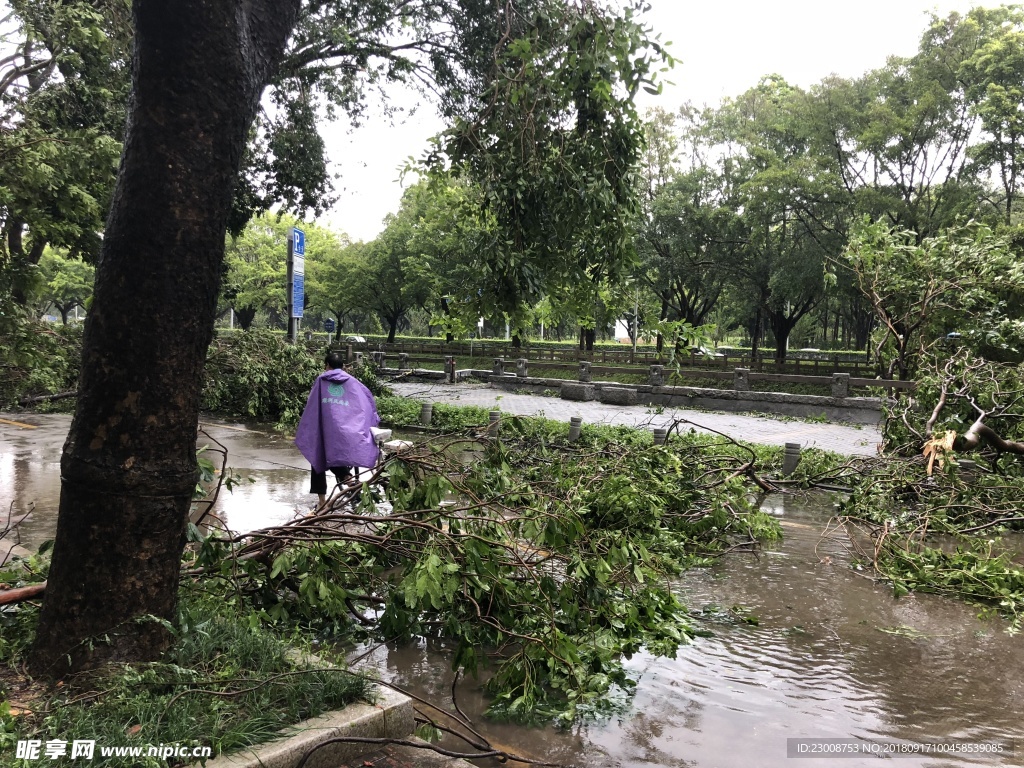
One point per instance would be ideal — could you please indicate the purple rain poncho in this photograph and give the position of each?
(334, 430)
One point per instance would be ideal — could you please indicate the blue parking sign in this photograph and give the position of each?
(298, 294)
(298, 242)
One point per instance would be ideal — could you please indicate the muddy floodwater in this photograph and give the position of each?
(832, 655)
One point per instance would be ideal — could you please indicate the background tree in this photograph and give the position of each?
(688, 236)
(447, 230)
(334, 282)
(388, 287)
(789, 205)
(993, 79)
(898, 137)
(63, 87)
(256, 264)
(63, 282)
(690, 244)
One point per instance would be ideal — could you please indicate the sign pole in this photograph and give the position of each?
(296, 281)
(289, 290)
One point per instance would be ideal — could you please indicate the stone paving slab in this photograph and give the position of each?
(848, 440)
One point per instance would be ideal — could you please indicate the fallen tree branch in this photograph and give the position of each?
(48, 398)
(10, 596)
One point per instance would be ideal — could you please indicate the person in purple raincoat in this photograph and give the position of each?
(334, 431)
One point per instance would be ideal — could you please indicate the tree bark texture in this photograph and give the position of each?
(129, 467)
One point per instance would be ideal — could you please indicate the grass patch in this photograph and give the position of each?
(227, 683)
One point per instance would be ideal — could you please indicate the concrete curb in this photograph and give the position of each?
(855, 410)
(391, 717)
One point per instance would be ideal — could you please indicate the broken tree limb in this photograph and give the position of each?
(980, 433)
(9, 596)
(48, 398)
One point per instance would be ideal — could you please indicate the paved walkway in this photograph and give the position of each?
(849, 440)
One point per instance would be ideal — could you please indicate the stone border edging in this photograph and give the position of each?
(390, 718)
(857, 410)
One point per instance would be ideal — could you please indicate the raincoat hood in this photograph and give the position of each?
(334, 430)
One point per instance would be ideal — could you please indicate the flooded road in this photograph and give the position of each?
(832, 655)
(273, 487)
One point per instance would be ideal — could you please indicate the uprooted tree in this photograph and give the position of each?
(198, 72)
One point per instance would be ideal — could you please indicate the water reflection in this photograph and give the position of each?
(833, 656)
(263, 498)
(30, 474)
(274, 483)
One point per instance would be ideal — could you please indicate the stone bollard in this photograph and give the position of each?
(585, 376)
(790, 459)
(657, 376)
(741, 379)
(493, 423)
(499, 366)
(449, 369)
(521, 364)
(660, 435)
(357, 358)
(575, 425)
(426, 414)
(403, 361)
(840, 385)
(349, 356)
(378, 359)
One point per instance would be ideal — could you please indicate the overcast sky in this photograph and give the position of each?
(722, 48)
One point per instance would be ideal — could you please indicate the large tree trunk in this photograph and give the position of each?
(446, 308)
(589, 336)
(781, 327)
(244, 317)
(863, 324)
(16, 250)
(755, 339)
(129, 467)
